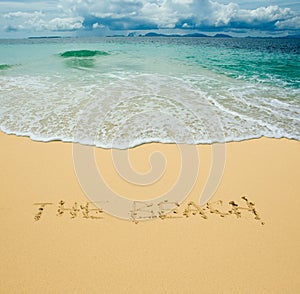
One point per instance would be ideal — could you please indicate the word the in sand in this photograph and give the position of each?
(85, 210)
(145, 210)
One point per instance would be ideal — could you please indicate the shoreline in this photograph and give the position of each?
(144, 143)
(218, 254)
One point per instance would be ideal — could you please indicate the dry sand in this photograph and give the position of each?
(61, 254)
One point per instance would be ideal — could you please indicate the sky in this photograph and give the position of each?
(24, 18)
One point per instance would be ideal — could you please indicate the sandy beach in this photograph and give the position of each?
(55, 251)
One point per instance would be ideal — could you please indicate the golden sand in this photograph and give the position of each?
(56, 250)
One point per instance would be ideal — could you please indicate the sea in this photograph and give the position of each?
(120, 92)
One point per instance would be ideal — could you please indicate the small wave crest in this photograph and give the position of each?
(83, 53)
(81, 59)
(5, 66)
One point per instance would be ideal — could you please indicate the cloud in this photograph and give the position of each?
(262, 16)
(197, 14)
(64, 24)
(22, 14)
(293, 23)
(36, 21)
(72, 15)
(97, 26)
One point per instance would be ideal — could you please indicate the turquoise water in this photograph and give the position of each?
(122, 92)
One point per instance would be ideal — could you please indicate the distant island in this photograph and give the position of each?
(194, 35)
(45, 37)
(200, 35)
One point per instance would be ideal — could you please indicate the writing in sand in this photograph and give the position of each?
(142, 210)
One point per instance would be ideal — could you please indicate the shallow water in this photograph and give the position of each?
(127, 91)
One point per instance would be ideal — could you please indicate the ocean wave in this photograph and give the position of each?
(83, 53)
(5, 66)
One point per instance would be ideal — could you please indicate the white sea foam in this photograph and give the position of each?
(128, 110)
